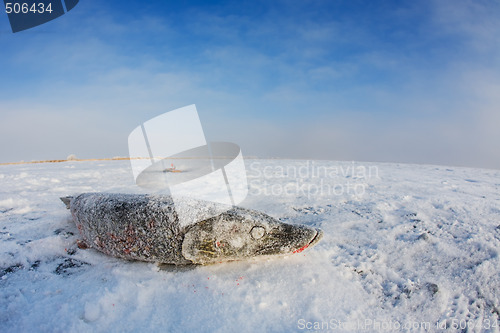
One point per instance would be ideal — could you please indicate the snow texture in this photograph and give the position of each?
(405, 248)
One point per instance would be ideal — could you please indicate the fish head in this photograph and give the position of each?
(242, 234)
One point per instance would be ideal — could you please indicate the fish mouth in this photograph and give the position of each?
(317, 237)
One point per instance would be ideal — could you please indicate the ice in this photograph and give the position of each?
(405, 248)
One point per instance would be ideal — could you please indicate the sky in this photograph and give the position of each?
(380, 81)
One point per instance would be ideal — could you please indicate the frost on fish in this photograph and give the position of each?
(130, 226)
(241, 233)
(147, 227)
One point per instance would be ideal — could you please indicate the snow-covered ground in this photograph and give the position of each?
(405, 248)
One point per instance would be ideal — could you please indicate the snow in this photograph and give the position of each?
(405, 248)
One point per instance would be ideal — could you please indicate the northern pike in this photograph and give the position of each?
(147, 227)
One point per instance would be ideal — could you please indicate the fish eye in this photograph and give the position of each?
(257, 232)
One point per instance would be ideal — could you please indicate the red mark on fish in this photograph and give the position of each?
(301, 249)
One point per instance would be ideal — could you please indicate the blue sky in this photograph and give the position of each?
(390, 81)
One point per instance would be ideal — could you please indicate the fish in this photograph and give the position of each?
(146, 227)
